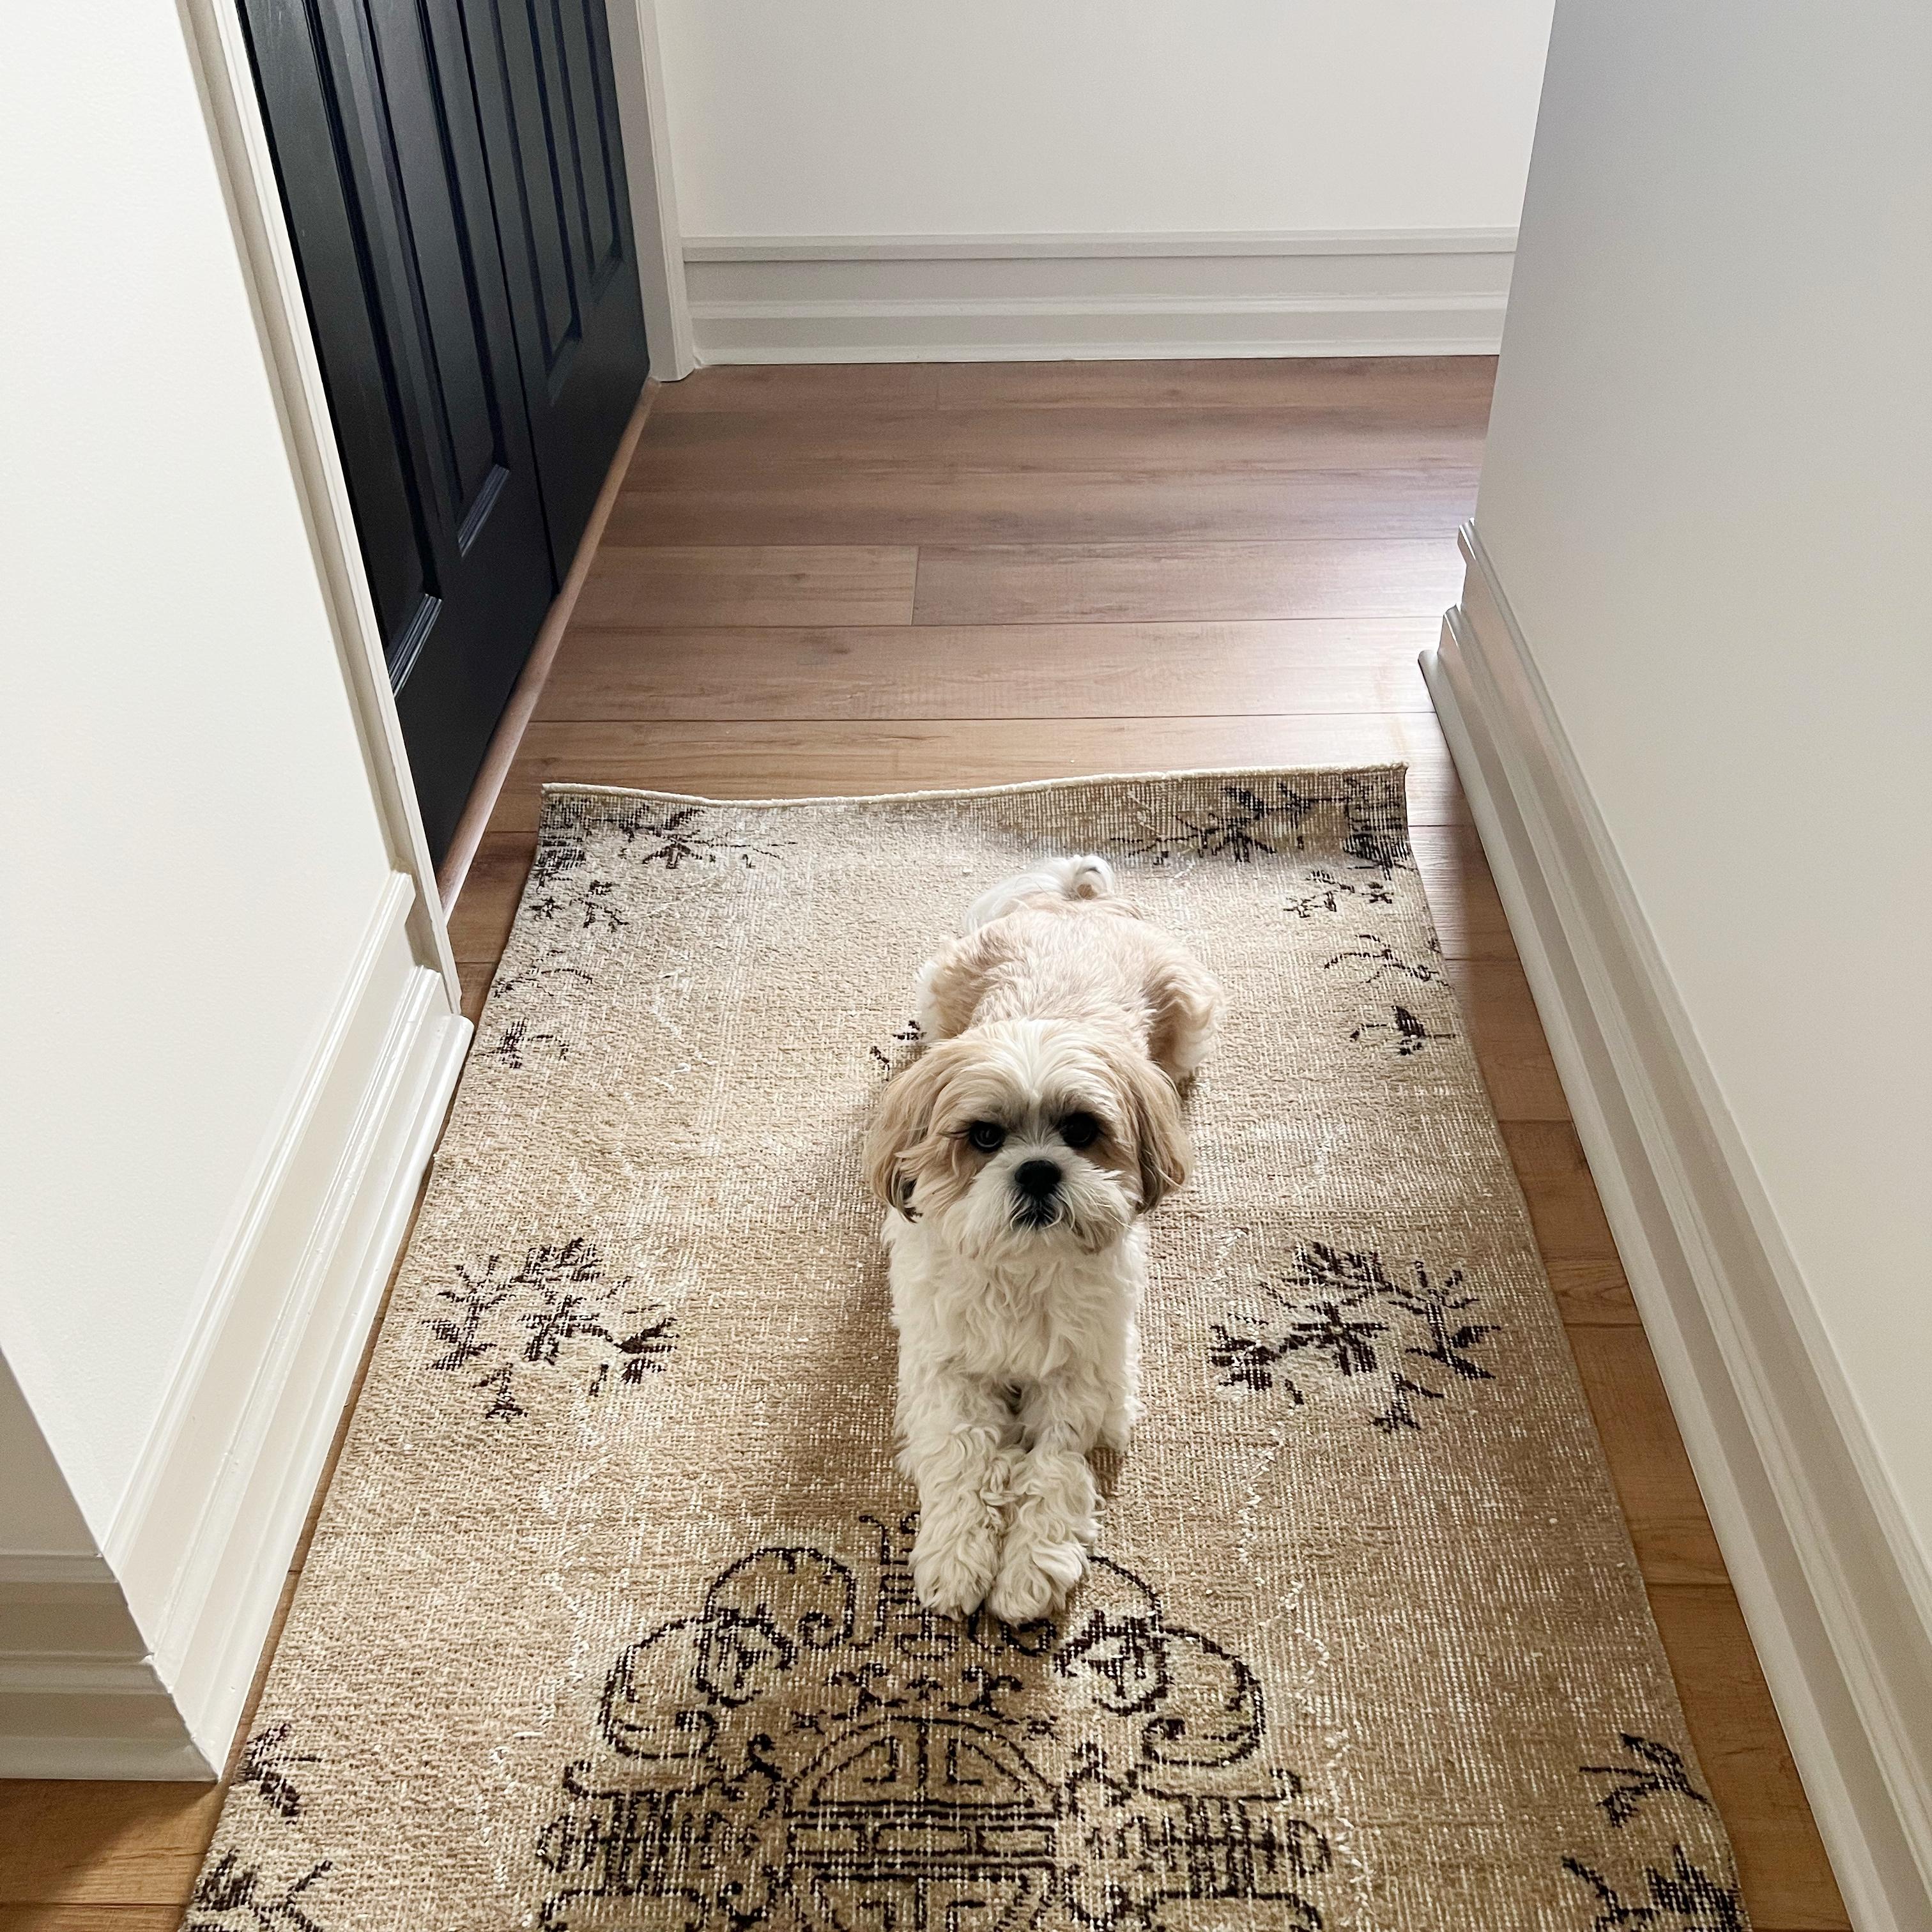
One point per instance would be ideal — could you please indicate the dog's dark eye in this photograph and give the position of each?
(986, 1136)
(1080, 1130)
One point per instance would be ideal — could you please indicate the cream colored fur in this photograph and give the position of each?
(1060, 1024)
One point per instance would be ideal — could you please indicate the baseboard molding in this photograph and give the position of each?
(80, 1696)
(181, 1600)
(1831, 1583)
(119, 1756)
(963, 298)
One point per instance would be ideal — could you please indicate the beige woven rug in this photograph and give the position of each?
(607, 1622)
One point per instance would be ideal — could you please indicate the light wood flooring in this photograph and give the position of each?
(875, 579)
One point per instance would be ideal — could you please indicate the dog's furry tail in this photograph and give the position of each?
(1088, 877)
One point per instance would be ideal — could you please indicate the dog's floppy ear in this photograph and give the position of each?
(1153, 1110)
(904, 1121)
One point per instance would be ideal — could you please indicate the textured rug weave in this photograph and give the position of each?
(607, 1622)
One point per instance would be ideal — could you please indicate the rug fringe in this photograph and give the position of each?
(562, 789)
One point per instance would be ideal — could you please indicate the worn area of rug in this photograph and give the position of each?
(608, 1624)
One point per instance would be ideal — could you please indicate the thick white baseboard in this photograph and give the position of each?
(80, 1696)
(136, 1664)
(970, 298)
(1831, 1580)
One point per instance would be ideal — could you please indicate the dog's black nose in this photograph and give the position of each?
(1036, 1179)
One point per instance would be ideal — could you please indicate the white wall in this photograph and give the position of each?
(1218, 178)
(902, 117)
(230, 1040)
(37, 1511)
(192, 855)
(1706, 496)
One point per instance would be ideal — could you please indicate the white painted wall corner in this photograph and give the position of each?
(135, 1661)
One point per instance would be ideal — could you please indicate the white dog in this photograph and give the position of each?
(1015, 1156)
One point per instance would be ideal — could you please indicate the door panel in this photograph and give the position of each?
(550, 118)
(381, 161)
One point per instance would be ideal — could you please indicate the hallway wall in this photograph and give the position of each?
(218, 1021)
(193, 852)
(1704, 499)
(864, 117)
(1704, 491)
(864, 180)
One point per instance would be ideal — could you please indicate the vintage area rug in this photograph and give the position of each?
(607, 1623)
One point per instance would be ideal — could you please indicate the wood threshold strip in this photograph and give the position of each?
(528, 690)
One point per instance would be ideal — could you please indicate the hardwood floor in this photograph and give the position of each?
(868, 579)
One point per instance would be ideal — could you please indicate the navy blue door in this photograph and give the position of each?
(550, 123)
(472, 441)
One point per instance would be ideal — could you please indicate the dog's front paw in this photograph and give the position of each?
(1034, 1577)
(953, 1564)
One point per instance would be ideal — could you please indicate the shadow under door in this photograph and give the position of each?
(454, 181)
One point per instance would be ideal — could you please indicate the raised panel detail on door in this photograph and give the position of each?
(379, 151)
(550, 118)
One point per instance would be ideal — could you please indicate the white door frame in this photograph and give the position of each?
(636, 57)
(245, 162)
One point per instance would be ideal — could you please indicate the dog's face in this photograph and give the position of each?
(1026, 1131)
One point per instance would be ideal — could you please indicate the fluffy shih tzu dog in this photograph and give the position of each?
(1015, 1157)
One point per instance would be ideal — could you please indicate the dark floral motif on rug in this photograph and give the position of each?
(901, 1050)
(1247, 822)
(263, 1892)
(1378, 835)
(269, 1767)
(552, 973)
(1372, 957)
(1403, 1338)
(812, 1750)
(1270, 817)
(1328, 889)
(557, 1312)
(647, 835)
(1684, 1898)
(1654, 1771)
(653, 836)
(523, 1040)
(558, 855)
(1650, 1796)
(1405, 1033)
(232, 1895)
(584, 905)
